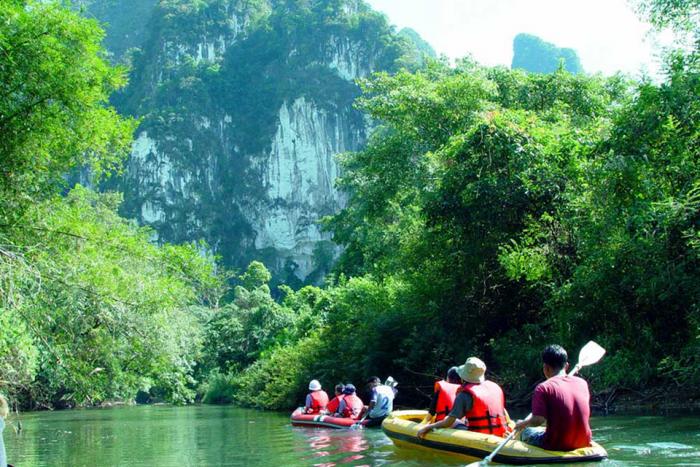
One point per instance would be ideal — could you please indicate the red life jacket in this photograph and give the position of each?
(488, 413)
(446, 398)
(319, 401)
(334, 404)
(353, 406)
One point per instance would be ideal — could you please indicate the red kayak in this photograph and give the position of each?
(299, 418)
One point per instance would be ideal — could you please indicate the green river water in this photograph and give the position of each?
(212, 435)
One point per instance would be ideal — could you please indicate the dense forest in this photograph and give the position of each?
(493, 211)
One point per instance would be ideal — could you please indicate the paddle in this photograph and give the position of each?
(590, 353)
(358, 424)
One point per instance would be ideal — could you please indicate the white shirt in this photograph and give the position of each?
(383, 398)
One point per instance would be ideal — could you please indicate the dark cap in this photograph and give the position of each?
(452, 374)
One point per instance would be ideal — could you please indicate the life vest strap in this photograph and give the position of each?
(493, 421)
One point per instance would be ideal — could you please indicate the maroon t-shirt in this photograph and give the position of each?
(565, 402)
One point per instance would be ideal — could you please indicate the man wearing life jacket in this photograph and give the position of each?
(317, 399)
(333, 405)
(479, 402)
(382, 401)
(563, 402)
(351, 406)
(444, 394)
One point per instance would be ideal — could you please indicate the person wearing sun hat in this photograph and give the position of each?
(480, 402)
(317, 399)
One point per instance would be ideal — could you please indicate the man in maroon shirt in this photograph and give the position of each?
(563, 402)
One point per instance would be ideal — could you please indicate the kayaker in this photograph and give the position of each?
(479, 401)
(333, 405)
(563, 402)
(382, 401)
(317, 399)
(351, 406)
(444, 394)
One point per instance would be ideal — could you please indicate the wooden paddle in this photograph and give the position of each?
(590, 353)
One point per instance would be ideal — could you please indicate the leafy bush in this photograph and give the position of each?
(218, 388)
(279, 380)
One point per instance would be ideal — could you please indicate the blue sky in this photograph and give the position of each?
(607, 34)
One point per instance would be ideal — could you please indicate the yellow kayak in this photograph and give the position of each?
(402, 427)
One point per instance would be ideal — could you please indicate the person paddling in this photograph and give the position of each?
(563, 402)
(444, 394)
(351, 406)
(333, 405)
(317, 399)
(479, 401)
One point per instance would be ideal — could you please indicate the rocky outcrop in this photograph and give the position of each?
(530, 53)
(299, 182)
(245, 106)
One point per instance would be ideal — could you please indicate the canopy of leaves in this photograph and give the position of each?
(54, 82)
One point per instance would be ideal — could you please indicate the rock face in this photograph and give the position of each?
(245, 105)
(532, 54)
(299, 182)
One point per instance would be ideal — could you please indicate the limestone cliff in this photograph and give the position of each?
(530, 53)
(244, 106)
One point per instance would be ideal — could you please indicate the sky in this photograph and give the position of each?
(607, 34)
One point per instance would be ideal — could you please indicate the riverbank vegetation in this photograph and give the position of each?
(90, 308)
(492, 212)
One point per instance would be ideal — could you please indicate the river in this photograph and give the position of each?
(213, 435)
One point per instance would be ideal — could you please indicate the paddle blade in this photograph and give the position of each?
(478, 464)
(590, 353)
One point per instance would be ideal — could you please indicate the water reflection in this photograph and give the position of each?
(329, 447)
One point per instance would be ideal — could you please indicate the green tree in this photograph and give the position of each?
(107, 310)
(54, 83)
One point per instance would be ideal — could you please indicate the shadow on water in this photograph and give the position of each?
(227, 436)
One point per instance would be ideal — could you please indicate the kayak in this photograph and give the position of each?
(402, 428)
(299, 418)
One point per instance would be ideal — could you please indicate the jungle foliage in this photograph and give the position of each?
(91, 309)
(496, 211)
(492, 212)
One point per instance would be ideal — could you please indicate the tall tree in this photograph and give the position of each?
(54, 85)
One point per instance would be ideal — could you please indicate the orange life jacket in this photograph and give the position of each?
(353, 406)
(319, 401)
(334, 404)
(446, 398)
(488, 413)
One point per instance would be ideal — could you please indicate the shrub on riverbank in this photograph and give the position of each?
(107, 311)
(218, 388)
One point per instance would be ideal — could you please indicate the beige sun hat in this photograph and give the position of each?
(472, 371)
